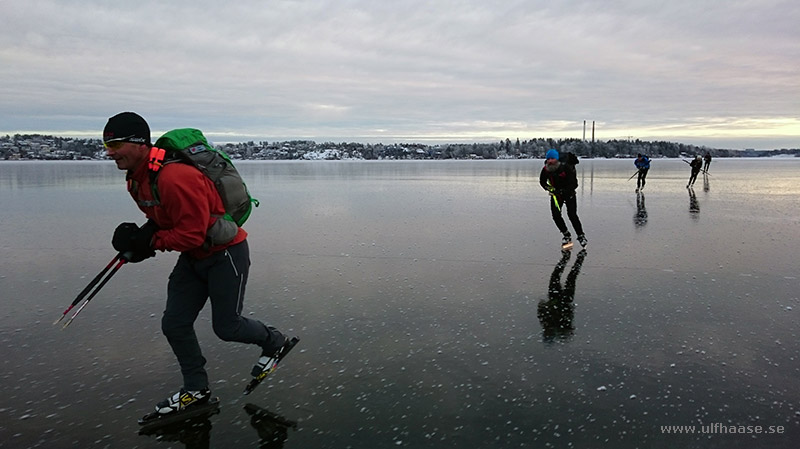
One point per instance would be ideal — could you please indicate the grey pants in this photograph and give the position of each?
(222, 278)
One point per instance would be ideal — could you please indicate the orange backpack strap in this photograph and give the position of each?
(156, 159)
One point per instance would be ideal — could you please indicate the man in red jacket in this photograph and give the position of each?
(181, 219)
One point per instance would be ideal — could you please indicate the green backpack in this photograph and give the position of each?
(190, 146)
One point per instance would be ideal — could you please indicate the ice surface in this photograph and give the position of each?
(416, 288)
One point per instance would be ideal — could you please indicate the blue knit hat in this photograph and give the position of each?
(551, 154)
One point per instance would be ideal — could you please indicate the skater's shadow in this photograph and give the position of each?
(640, 218)
(694, 206)
(556, 315)
(195, 433)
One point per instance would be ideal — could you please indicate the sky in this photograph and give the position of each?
(723, 73)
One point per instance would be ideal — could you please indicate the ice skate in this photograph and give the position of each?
(566, 241)
(181, 406)
(268, 363)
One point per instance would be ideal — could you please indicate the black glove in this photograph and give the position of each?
(123, 237)
(129, 238)
(138, 256)
(144, 239)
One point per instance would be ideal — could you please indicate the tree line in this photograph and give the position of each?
(35, 146)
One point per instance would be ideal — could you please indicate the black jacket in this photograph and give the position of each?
(564, 179)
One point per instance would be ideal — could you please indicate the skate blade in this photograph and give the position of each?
(568, 246)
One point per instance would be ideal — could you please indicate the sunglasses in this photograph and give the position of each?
(114, 144)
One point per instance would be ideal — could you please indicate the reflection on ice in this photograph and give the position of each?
(694, 206)
(557, 313)
(272, 428)
(640, 217)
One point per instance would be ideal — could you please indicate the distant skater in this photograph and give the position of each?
(697, 165)
(707, 159)
(642, 163)
(560, 179)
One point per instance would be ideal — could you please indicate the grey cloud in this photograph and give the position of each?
(355, 69)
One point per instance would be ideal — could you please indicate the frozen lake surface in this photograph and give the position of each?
(434, 306)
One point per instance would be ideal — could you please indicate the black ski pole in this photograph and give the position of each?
(123, 259)
(637, 172)
(88, 288)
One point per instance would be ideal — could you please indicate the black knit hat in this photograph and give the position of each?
(127, 127)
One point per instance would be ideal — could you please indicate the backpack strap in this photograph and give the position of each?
(156, 159)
